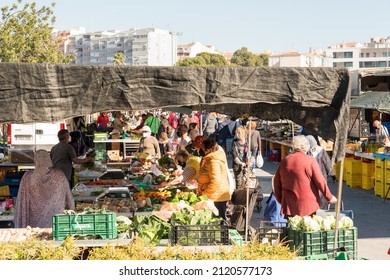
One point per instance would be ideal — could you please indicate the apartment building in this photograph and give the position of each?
(314, 58)
(374, 54)
(141, 47)
(192, 49)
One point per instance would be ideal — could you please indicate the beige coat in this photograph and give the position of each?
(213, 179)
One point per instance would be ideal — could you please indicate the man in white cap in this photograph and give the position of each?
(148, 143)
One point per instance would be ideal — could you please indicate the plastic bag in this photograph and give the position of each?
(259, 161)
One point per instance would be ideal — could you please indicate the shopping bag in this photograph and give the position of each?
(259, 161)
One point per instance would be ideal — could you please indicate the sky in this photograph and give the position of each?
(278, 26)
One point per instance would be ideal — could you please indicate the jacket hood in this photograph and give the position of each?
(217, 155)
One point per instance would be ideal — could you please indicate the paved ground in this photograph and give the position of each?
(371, 215)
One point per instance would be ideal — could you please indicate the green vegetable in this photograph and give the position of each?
(150, 228)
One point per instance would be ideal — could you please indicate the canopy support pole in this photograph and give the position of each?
(338, 205)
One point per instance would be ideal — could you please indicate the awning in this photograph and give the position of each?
(378, 100)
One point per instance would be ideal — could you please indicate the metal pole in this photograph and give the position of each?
(338, 205)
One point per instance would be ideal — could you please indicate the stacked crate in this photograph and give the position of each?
(353, 177)
(368, 174)
(386, 192)
(379, 176)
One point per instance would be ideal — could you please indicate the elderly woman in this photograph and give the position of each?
(298, 182)
(43, 192)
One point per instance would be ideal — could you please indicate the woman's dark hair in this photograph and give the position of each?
(209, 144)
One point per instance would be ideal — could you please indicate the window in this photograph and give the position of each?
(348, 64)
(367, 54)
(361, 54)
(348, 54)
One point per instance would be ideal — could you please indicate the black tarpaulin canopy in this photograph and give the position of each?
(378, 100)
(315, 98)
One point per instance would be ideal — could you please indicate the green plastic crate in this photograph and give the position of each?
(199, 235)
(235, 237)
(96, 225)
(308, 243)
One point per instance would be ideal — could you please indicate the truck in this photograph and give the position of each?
(33, 136)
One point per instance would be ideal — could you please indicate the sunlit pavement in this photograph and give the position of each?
(371, 214)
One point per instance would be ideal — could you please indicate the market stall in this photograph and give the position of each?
(315, 98)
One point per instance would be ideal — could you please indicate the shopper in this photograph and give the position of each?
(43, 192)
(190, 171)
(298, 182)
(240, 156)
(213, 177)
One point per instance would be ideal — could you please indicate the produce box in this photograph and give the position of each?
(199, 235)
(308, 243)
(97, 226)
(272, 232)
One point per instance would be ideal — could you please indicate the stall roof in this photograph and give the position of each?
(378, 100)
(316, 98)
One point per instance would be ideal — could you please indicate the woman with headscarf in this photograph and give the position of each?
(43, 192)
(321, 156)
(324, 162)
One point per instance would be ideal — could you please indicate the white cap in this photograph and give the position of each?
(146, 129)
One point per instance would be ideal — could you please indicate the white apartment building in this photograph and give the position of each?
(374, 54)
(146, 47)
(314, 58)
(192, 49)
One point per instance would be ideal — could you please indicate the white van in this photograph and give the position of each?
(33, 136)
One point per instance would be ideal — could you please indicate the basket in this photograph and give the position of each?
(83, 225)
(199, 235)
(271, 232)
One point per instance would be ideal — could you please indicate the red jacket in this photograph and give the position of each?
(297, 183)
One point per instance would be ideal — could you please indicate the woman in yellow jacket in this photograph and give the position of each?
(213, 179)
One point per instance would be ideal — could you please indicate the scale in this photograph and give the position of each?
(112, 174)
(114, 192)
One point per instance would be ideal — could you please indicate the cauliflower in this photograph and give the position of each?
(310, 224)
(346, 222)
(295, 222)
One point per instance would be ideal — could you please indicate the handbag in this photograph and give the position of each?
(259, 160)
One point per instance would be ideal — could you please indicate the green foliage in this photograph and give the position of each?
(245, 58)
(204, 59)
(26, 35)
(119, 58)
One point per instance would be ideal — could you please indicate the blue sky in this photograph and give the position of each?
(277, 25)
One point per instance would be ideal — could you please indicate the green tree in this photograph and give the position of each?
(26, 35)
(204, 59)
(119, 58)
(245, 58)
